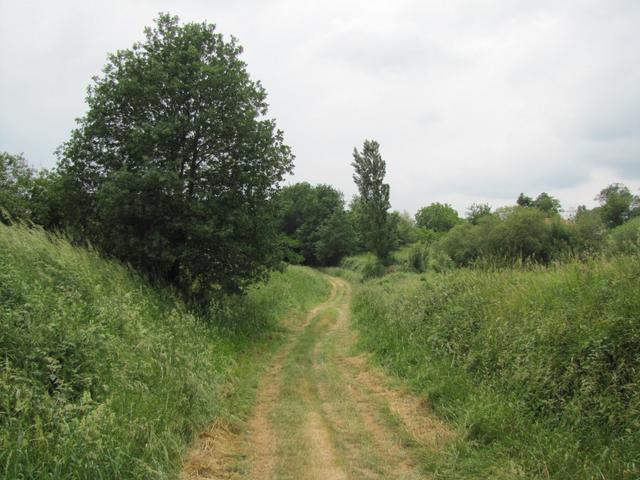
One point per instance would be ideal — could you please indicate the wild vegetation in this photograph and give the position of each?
(174, 165)
(142, 277)
(317, 230)
(105, 376)
(538, 367)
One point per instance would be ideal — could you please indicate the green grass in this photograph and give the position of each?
(538, 368)
(104, 376)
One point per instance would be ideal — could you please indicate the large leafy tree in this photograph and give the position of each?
(335, 238)
(439, 217)
(616, 204)
(406, 231)
(376, 227)
(315, 223)
(174, 166)
(548, 204)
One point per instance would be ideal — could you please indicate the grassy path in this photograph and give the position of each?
(322, 412)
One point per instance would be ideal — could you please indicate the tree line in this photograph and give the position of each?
(177, 170)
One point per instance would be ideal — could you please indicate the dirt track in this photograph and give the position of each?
(322, 412)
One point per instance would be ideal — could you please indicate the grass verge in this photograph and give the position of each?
(104, 376)
(538, 368)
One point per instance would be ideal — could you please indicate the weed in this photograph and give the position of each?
(539, 365)
(103, 375)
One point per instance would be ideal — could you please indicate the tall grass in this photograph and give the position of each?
(538, 367)
(103, 375)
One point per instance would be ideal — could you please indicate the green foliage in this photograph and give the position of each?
(45, 199)
(438, 261)
(524, 200)
(590, 231)
(616, 204)
(464, 243)
(406, 231)
(15, 185)
(523, 234)
(103, 376)
(28, 195)
(315, 223)
(539, 368)
(519, 234)
(335, 239)
(376, 228)
(544, 202)
(373, 268)
(476, 211)
(417, 257)
(548, 204)
(366, 265)
(437, 217)
(174, 166)
(625, 239)
(421, 257)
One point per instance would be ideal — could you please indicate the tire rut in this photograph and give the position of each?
(343, 429)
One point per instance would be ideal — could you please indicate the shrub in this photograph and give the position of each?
(417, 258)
(373, 268)
(625, 239)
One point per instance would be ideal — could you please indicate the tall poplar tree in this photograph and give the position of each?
(374, 223)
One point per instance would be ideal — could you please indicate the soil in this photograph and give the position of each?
(357, 423)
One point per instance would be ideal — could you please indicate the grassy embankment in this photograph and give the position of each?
(538, 368)
(104, 376)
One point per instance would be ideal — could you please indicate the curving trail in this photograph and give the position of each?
(323, 412)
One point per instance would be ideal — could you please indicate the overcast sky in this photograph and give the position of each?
(471, 101)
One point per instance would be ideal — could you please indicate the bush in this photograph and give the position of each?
(462, 244)
(590, 232)
(417, 258)
(625, 239)
(514, 235)
(373, 268)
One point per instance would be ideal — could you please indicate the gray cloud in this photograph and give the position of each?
(470, 101)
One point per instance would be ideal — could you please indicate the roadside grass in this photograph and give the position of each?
(538, 368)
(103, 375)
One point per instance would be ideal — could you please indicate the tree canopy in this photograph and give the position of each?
(548, 204)
(439, 217)
(616, 204)
(375, 227)
(174, 166)
(476, 211)
(15, 181)
(315, 224)
(544, 202)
